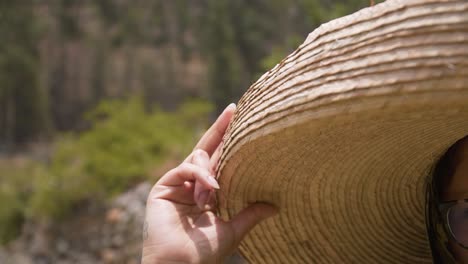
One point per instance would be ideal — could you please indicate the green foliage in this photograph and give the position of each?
(243, 39)
(22, 108)
(15, 190)
(67, 15)
(319, 11)
(316, 12)
(278, 53)
(124, 144)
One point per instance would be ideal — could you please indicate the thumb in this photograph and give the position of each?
(249, 217)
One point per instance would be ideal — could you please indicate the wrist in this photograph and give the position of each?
(150, 257)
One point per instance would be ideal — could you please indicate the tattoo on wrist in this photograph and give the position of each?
(145, 231)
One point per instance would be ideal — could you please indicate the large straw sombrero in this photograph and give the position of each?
(342, 136)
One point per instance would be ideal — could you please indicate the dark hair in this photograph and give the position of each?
(445, 168)
(442, 175)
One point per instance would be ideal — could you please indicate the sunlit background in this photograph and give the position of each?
(99, 98)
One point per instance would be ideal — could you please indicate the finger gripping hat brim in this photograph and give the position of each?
(343, 134)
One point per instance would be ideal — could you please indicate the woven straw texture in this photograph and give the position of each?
(342, 135)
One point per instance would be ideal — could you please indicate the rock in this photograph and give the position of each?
(40, 242)
(62, 246)
(3, 255)
(114, 215)
(19, 258)
(118, 240)
(108, 256)
(97, 233)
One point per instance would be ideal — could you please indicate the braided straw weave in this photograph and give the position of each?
(342, 135)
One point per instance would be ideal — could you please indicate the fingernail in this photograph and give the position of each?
(200, 154)
(209, 205)
(213, 182)
(203, 198)
(231, 105)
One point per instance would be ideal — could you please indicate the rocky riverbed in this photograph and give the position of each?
(96, 233)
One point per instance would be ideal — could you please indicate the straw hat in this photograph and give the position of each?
(342, 136)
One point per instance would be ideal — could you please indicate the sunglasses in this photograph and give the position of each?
(455, 218)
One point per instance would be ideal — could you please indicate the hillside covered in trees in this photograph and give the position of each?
(59, 58)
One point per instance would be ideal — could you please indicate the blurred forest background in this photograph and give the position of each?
(98, 97)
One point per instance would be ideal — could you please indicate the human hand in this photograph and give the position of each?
(180, 225)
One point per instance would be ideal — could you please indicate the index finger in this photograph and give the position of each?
(213, 137)
(188, 172)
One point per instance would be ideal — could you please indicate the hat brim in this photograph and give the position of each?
(342, 137)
